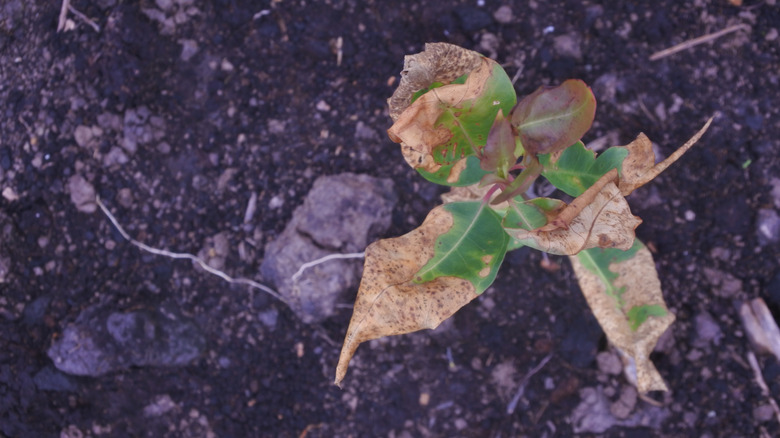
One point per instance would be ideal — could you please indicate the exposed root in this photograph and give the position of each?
(184, 255)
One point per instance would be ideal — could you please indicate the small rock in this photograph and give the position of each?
(116, 156)
(568, 46)
(276, 126)
(83, 135)
(125, 197)
(763, 413)
(707, 331)
(341, 214)
(775, 182)
(189, 48)
(767, 226)
(622, 408)
(226, 65)
(82, 194)
(161, 405)
(269, 318)
(164, 5)
(593, 414)
(609, 363)
(723, 284)
(51, 379)
(102, 340)
(504, 15)
(364, 132)
(771, 35)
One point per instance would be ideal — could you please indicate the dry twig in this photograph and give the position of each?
(762, 383)
(696, 41)
(180, 255)
(510, 409)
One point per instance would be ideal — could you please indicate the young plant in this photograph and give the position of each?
(459, 124)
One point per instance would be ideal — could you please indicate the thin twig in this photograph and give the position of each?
(307, 265)
(63, 15)
(762, 383)
(181, 255)
(510, 409)
(84, 18)
(696, 41)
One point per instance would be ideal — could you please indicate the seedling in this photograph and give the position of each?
(459, 124)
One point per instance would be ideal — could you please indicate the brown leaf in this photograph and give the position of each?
(603, 221)
(638, 277)
(440, 62)
(389, 302)
(416, 128)
(639, 167)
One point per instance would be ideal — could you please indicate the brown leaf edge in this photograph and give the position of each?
(642, 287)
(439, 62)
(389, 302)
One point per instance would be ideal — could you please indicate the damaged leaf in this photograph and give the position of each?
(553, 118)
(472, 249)
(392, 301)
(623, 290)
(604, 220)
(444, 130)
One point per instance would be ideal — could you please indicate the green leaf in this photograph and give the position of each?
(639, 314)
(472, 249)
(471, 172)
(577, 168)
(552, 118)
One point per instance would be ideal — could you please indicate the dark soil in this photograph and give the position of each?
(263, 107)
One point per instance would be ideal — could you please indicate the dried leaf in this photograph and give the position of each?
(604, 221)
(553, 118)
(639, 167)
(624, 292)
(392, 301)
(444, 129)
(439, 62)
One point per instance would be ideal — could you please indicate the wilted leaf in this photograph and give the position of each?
(443, 130)
(439, 62)
(603, 220)
(623, 290)
(553, 118)
(639, 167)
(390, 301)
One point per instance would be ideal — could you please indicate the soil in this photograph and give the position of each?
(175, 112)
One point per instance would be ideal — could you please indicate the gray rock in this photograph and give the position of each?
(723, 284)
(82, 194)
(593, 414)
(707, 331)
(767, 226)
(51, 379)
(341, 214)
(101, 341)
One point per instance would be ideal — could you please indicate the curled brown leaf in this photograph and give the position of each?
(601, 220)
